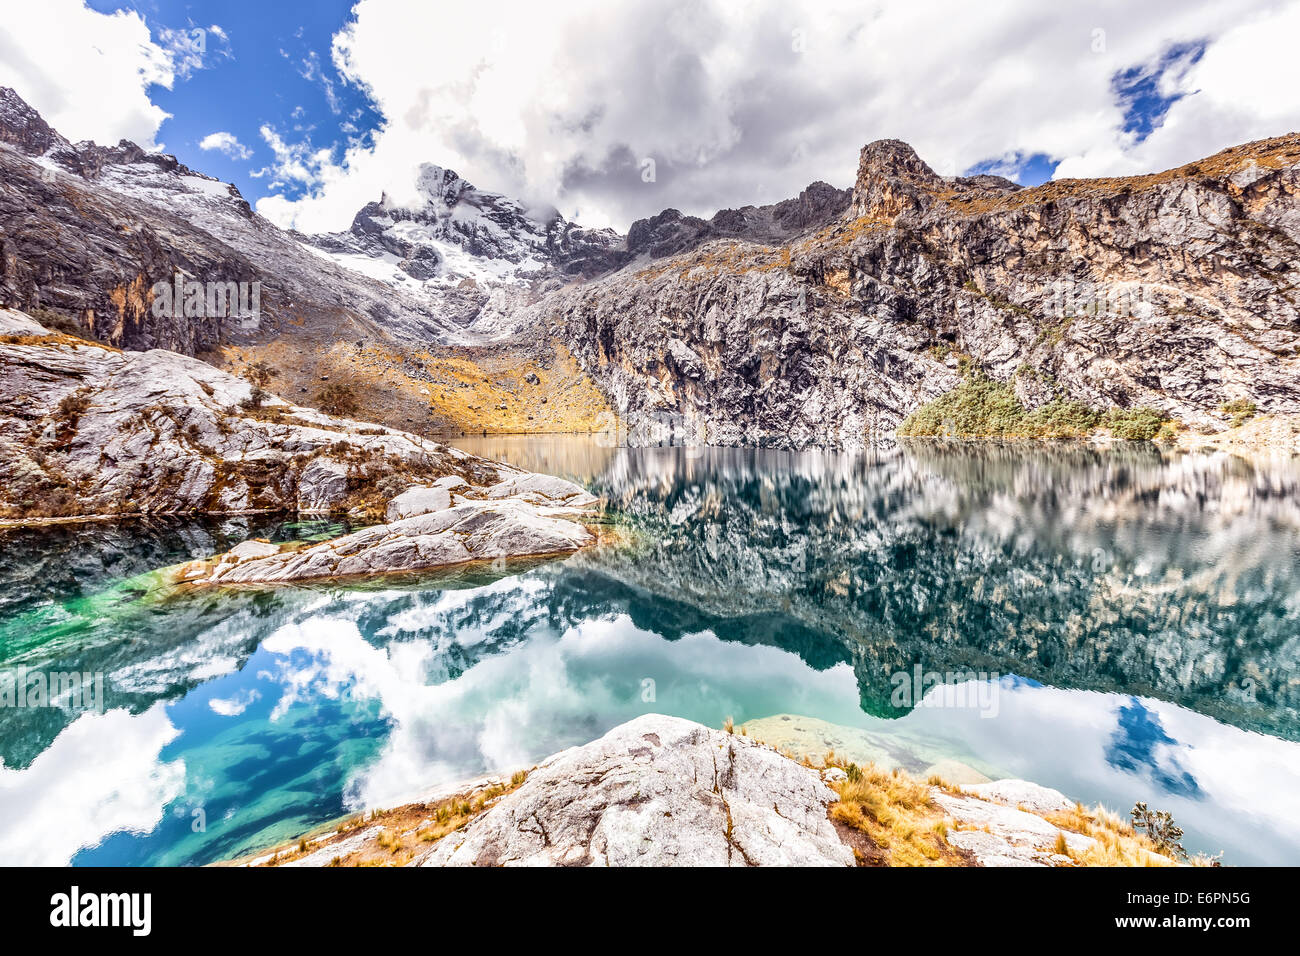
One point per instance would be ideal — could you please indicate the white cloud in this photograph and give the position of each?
(741, 103)
(529, 699)
(236, 705)
(102, 774)
(297, 163)
(188, 47)
(1242, 89)
(226, 143)
(311, 71)
(88, 74)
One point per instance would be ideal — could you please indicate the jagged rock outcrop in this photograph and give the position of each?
(663, 791)
(464, 237)
(670, 232)
(23, 127)
(1172, 290)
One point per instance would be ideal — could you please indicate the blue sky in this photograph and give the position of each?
(272, 68)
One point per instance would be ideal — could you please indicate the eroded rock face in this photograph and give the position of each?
(657, 791)
(1169, 290)
(87, 429)
(670, 232)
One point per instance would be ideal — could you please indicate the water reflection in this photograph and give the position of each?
(1142, 607)
(1121, 569)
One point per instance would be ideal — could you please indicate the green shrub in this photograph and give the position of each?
(980, 407)
(1242, 410)
(1061, 418)
(1134, 424)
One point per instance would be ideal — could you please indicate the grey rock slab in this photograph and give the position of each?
(475, 529)
(1021, 793)
(997, 834)
(656, 791)
(159, 432)
(417, 501)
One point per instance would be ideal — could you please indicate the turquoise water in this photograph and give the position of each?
(1117, 623)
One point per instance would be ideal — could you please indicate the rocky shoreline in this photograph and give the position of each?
(88, 432)
(663, 791)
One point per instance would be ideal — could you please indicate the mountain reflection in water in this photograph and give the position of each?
(1132, 617)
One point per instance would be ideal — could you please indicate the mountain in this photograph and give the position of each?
(88, 233)
(826, 319)
(1175, 290)
(458, 235)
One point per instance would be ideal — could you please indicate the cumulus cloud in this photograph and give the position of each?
(235, 705)
(747, 103)
(1241, 88)
(226, 143)
(87, 73)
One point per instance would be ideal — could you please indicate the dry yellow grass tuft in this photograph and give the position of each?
(403, 831)
(1118, 844)
(897, 815)
(54, 339)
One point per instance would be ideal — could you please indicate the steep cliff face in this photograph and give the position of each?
(1174, 290)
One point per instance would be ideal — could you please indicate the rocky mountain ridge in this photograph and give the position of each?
(88, 231)
(822, 320)
(1175, 291)
(461, 235)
